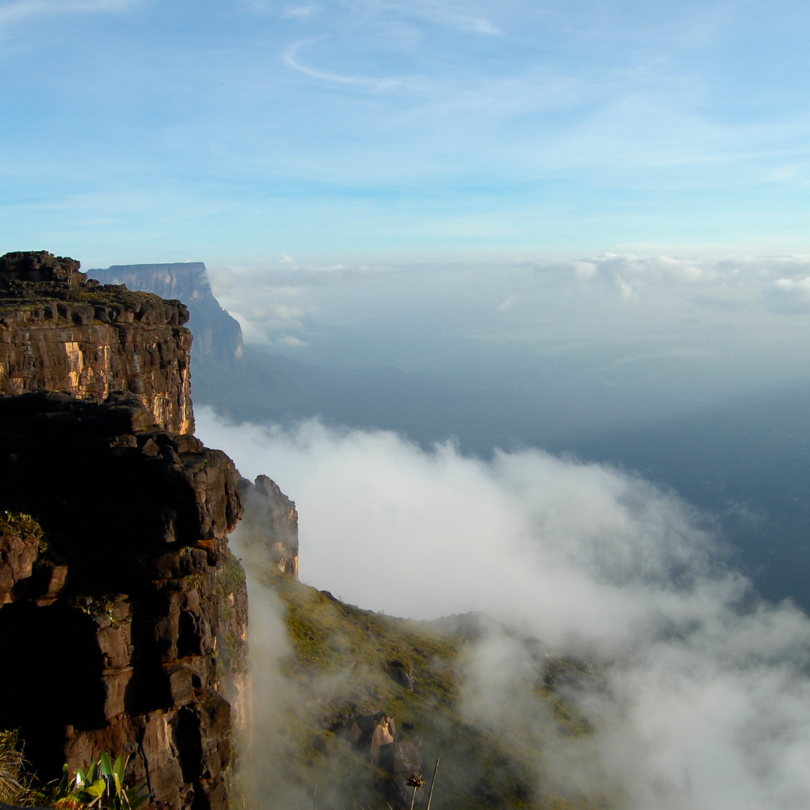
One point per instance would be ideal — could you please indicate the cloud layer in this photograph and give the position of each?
(706, 702)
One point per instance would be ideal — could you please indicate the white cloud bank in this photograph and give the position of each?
(286, 290)
(707, 703)
(788, 296)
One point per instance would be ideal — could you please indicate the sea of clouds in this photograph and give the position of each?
(705, 702)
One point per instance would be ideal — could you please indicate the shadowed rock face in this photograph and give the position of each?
(41, 266)
(270, 524)
(113, 550)
(60, 331)
(110, 614)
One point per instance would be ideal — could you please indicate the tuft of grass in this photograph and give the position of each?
(15, 781)
(231, 657)
(231, 577)
(100, 786)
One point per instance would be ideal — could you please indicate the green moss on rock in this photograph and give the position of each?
(18, 524)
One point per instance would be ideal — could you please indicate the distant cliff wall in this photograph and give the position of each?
(217, 336)
(270, 524)
(61, 332)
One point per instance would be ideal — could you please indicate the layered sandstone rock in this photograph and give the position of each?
(111, 592)
(60, 331)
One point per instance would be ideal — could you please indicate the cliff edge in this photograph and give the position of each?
(60, 331)
(118, 631)
(217, 335)
(113, 541)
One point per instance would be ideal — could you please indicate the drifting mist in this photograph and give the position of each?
(705, 699)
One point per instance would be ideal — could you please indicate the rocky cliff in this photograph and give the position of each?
(217, 336)
(60, 331)
(114, 565)
(270, 527)
(110, 611)
(270, 524)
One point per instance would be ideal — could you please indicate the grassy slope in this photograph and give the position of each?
(343, 663)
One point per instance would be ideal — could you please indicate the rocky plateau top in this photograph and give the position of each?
(60, 331)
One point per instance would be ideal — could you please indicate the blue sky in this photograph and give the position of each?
(149, 130)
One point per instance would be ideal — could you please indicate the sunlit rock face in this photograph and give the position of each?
(113, 567)
(60, 331)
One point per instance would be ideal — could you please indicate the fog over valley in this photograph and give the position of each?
(615, 470)
(499, 314)
(704, 700)
(691, 373)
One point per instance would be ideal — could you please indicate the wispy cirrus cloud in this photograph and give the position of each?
(452, 15)
(300, 12)
(25, 9)
(291, 59)
(482, 25)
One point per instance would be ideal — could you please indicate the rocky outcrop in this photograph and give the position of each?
(217, 336)
(270, 524)
(60, 331)
(113, 559)
(20, 537)
(399, 759)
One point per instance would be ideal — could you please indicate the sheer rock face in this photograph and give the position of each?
(270, 524)
(109, 620)
(217, 335)
(60, 331)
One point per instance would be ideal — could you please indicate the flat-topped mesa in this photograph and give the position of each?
(217, 335)
(60, 331)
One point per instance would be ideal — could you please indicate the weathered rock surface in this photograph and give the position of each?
(270, 524)
(19, 547)
(60, 331)
(217, 335)
(399, 759)
(233, 657)
(108, 631)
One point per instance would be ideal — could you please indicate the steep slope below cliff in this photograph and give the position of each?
(350, 703)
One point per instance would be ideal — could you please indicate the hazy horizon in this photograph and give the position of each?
(534, 283)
